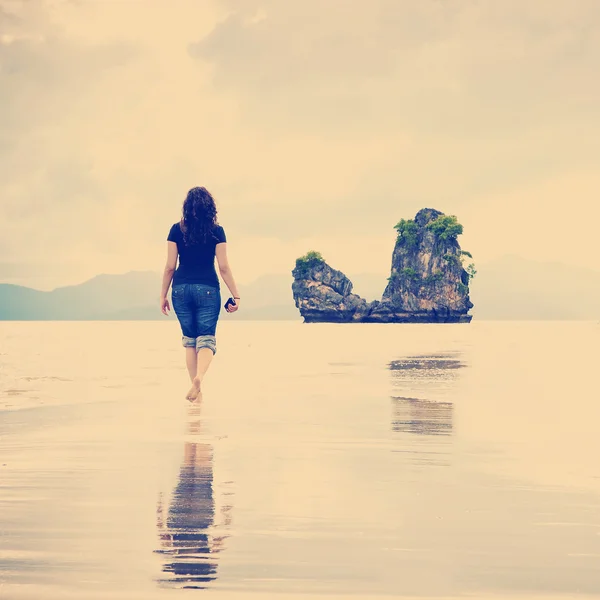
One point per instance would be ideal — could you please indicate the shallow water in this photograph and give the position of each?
(329, 460)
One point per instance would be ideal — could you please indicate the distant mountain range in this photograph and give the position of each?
(133, 296)
(513, 288)
(105, 297)
(509, 288)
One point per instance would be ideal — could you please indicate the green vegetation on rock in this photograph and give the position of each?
(407, 273)
(308, 261)
(413, 275)
(452, 259)
(310, 257)
(407, 232)
(410, 273)
(446, 227)
(471, 271)
(433, 278)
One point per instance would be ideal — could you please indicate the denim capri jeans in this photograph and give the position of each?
(197, 307)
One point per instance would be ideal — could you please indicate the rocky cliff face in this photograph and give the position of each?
(427, 284)
(323, 294)
(428, 281)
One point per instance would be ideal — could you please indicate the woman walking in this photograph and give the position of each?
(196, 296)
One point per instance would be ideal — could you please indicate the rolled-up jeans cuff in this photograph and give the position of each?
(188, 342)
(206, 341)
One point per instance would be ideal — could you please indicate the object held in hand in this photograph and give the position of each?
(230, 302)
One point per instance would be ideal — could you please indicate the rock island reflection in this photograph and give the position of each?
(431, 420)
(423, 417)
(190, 537)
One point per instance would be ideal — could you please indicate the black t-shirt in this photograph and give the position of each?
(196, 261)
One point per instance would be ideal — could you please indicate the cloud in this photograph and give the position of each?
(470, 69)
(549, 219)
(314, 124)
(471, 106)
(47, 182)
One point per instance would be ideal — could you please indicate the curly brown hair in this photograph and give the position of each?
(199, 216)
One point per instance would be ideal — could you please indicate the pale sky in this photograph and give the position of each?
(317, 124)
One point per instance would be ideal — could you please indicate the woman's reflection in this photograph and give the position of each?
(188, 531)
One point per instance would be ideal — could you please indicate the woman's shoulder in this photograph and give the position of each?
(175, 232)
(219, 234)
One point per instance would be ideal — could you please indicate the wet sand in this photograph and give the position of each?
(324, 462)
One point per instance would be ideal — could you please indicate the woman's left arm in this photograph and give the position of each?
(168, 276)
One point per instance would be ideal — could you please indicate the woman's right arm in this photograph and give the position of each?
(226, 274)
(168, 276)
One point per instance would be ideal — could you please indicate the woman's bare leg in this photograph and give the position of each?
(203, 360)
(191, 362)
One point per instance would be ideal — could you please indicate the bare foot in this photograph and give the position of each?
(195, 393)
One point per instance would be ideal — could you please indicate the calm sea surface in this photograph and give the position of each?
(325, 460)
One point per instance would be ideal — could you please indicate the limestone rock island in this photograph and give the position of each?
(428, 282)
